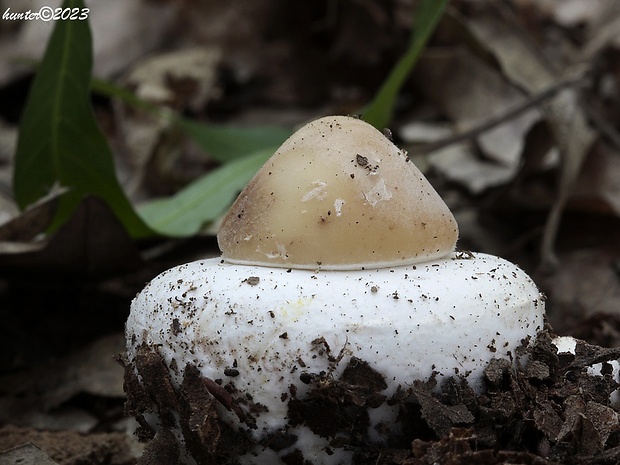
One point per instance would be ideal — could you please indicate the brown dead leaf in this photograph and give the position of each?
(27, 454)
(91, 243)
(572, 13)
(35, 398)
(8, 143)
(525, 65)
(122, 31)
(469, 92)
(181, 79)
(184, 79)
(456, 161)
(598, 187)
(601, 328)
(596, 290)
(67, 447)
(459, 164)
(567, 13)
(21, 230)
(126, 30)
(603, 29)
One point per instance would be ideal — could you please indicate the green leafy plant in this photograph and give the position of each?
(223, 143)
(380, 111)
(203, 200)
(241, 150)
(226, 143)
(61, 145)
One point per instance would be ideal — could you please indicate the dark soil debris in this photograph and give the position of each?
(544, 409)
(209, 439)
(252, 280)
(71, 447)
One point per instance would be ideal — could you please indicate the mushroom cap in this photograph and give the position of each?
(337, 195)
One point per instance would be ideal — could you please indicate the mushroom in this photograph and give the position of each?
(338, 287)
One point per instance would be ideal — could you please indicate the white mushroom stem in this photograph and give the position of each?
(267, 329)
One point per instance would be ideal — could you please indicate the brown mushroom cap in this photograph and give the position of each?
(337, 195)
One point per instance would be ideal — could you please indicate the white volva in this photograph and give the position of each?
(315, 273)
(270, 326)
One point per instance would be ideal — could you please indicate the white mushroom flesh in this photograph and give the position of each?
(264, 329)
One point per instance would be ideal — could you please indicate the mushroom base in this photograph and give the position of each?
(339, 420)
(269, 364)
(565, 401)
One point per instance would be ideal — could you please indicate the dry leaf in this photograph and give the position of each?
(469, 92)
(459, 164)
(34, 398)
(524, 65)
(27, 454)
(598, 187)
(123, 30)
(181, 80)
(91, 243)
(596, 290)
(66, 447)
(572, 13)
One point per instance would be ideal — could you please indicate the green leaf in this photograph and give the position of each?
(204, 200)
(60, 143)
(109, 89)
(380, 111)
(241, 150)
(224, 143)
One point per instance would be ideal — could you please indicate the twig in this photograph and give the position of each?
(603, 125)
(496, 120)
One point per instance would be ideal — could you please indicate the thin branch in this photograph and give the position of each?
(606, 128)
(496, 120)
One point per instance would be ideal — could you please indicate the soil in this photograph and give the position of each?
(71, 447)
(543, 409)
